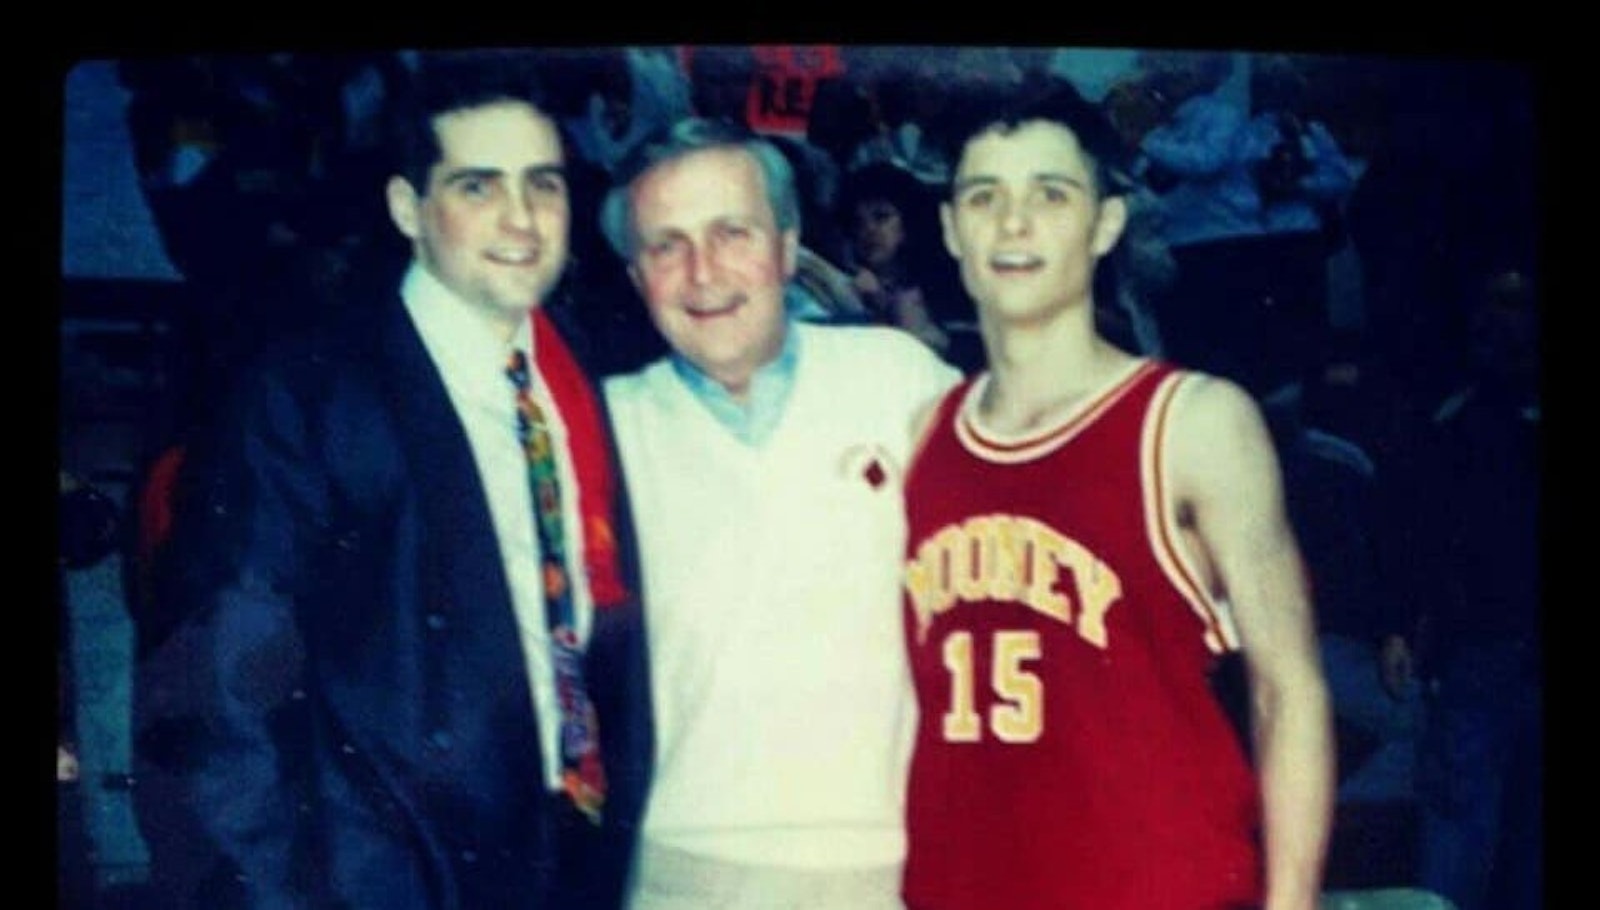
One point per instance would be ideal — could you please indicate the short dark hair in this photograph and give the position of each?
(447, 81)
(686, 136)
(881, 181)
(1037, 96)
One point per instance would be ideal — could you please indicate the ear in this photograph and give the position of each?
(404, 206)
(1109, 225)
(791, 253)
(636, 278)
(947, 221)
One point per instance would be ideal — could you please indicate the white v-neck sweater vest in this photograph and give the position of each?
(783, 706)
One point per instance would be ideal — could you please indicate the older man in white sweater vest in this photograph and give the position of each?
(763, 459)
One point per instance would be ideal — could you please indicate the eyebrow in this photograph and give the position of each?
(1053, 177)
(963, 184)
(494, 173)
(546, 170)
(748, 222)
(967, 183)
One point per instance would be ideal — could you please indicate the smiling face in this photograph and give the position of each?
(711, 262)
(492, 222)
(1027, 224)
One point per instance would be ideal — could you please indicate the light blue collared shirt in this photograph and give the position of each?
(754, 419)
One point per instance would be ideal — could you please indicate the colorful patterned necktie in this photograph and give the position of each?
(582, 777)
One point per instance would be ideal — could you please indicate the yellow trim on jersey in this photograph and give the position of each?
(999, 449)
(1161, 521)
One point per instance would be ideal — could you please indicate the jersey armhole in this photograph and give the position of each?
(1166, 541)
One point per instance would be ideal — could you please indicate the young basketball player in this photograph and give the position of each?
(1090, 533)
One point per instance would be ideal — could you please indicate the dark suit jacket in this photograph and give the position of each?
(370, 740)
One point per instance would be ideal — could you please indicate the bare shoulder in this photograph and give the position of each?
(1217, 434)
(1208, 405)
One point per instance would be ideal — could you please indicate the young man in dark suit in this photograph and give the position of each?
(395, 715)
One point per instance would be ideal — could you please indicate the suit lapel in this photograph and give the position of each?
(472, 598)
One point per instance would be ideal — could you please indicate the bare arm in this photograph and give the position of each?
(1226, 473)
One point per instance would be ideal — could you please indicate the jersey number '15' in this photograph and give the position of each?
(1017, 716)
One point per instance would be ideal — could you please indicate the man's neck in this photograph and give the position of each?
(738, 391)
(737, 379)
(503, 324)
(750, 404)
(1038, 371)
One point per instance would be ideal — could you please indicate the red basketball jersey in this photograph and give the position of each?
(1070, 750)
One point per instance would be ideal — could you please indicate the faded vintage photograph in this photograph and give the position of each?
(811, 476)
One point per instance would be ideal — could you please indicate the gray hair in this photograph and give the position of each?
(685, 137)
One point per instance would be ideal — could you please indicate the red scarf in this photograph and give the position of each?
(591, 461)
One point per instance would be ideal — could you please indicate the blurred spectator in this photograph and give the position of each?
(1477, 509)
(605, 98)
(627, 92)
(1398, 220)
(1301, 173)
(911, 90)
(785, 85)
(1304, 180)
(251, 165)
(88, 531)
(1333, 491)
(844, 116)
(1188, 133)
(1419, 216)
(897, 263)
(224, 141)
(1245, 200)
(107, 228)
(1345, 392)
(187, 871)
(720, 79)
(817, 180)
(1094, 71)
